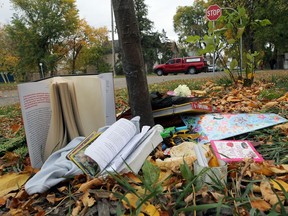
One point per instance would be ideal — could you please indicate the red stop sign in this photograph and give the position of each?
(213, 12)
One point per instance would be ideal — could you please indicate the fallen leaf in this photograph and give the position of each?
(132, 178)
(146, 208)
(269, 195)
(276, 183)
(278, 170)
(189, 198)
(283, 127)
(76, 210)
(285, 166)
(233, 99)
(15, 128)
(198, 92)
(270, 104)
(132, 201)
(12, 181)
(3, 201)
(151, 210)
(88, 185)
(256, 188)
(261, 205)
(283, 98)
(217, 196)
(87, 200)
(10, 156)
(62, 189)
(51, 198)
(261, 168)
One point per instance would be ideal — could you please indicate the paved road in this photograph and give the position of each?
(11, 97)
(8, 97)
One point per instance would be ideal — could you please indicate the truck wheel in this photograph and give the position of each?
(192, 70)
(175, 73)
(159, 72)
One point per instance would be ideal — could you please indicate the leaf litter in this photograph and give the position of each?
(250, 185)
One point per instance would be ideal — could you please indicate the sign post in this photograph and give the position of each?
(213, 12)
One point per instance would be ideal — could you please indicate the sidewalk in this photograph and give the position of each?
(9, 97)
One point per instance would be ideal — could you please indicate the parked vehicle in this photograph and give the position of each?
(187, 65)
(216, 68)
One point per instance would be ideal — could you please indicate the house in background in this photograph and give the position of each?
(170, 50)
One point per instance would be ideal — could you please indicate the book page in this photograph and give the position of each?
(67, 107)
(145, 146)
(129, 149)
(90, 102)
(104, 149)
(35, 106)
(57, 135)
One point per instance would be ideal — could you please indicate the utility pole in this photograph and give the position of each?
(113, 47)
(41, 67)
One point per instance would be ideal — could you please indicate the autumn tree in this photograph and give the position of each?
(133, 61)
(87, 46)
(190, 20)
(272, 40)
(8, 60)
(40, 29)
(150, 40)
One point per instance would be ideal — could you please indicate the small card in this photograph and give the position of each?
(235, 150)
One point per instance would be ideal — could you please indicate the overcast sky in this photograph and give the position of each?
(98, 13)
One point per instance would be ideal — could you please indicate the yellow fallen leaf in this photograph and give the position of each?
(283, 98)
(250, 76)
(76, 210)
(87, 185)
(199, 92)
(283, 127)
(12, 181)
(270, 104)
(215, 88)
(260, 168)
(132, 201)
(87, 200)
(269, 195)
(285, 166)
(146, 208)
(278, 170)
(151, 210)
(256, 188)
(281, 182)
(261, 205)
(233, 99)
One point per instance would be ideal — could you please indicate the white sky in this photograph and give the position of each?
(98, 13)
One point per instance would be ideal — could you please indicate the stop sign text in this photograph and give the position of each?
(213, 12)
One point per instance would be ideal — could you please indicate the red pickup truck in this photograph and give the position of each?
(188, 65)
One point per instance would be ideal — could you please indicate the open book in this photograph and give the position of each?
(120, 148)
(58, 109)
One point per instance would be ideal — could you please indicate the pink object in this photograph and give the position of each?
(235, 150)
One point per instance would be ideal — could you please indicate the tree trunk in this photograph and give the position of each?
(133, 61)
